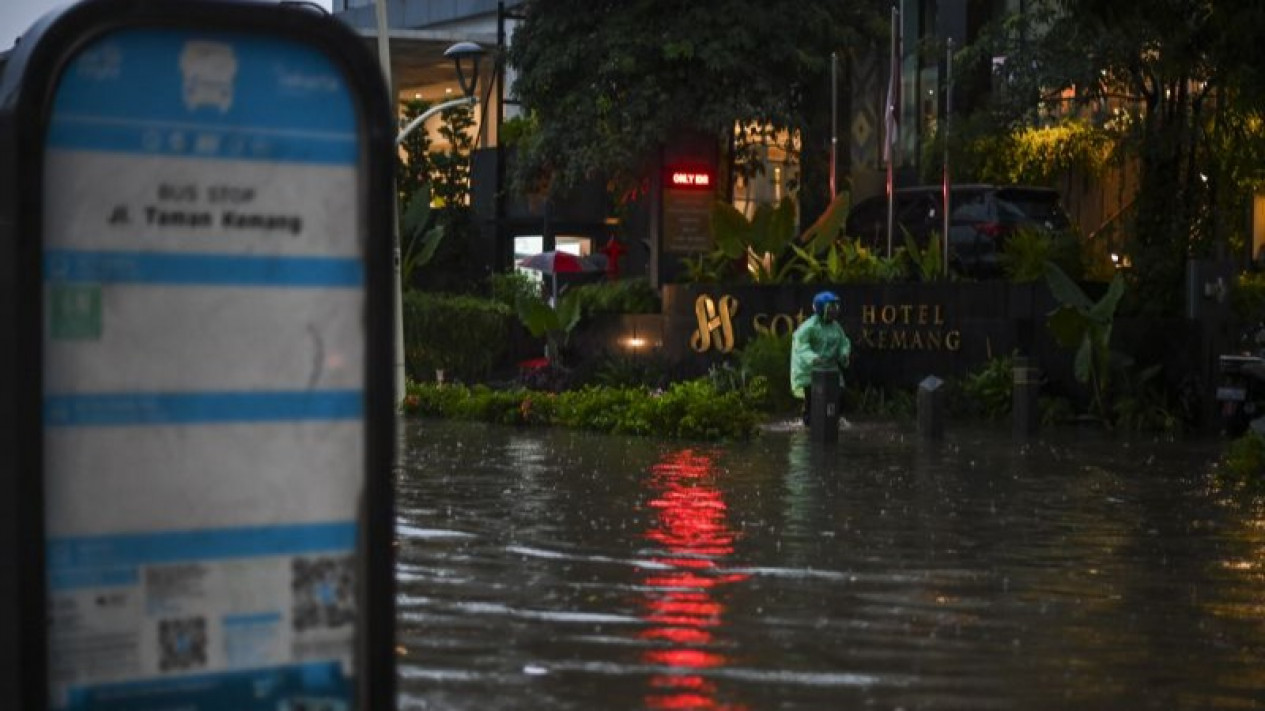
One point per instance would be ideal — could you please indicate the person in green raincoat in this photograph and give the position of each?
(819, 342)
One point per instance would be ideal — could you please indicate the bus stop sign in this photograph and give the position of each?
(198, 271)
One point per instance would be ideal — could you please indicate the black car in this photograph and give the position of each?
(983, 218)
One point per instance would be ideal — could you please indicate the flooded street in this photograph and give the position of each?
(554, 569)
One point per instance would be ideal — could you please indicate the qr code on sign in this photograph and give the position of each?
(182, 643)
(323, 594)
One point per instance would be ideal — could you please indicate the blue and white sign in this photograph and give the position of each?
(204, 295)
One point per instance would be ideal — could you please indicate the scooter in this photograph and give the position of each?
(1241, 385)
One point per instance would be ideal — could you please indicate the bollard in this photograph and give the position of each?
(824, 422)
(931, 407)
(1024, 411)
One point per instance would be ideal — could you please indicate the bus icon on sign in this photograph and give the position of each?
(208, 69)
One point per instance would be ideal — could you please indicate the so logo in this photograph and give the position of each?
(715, 324)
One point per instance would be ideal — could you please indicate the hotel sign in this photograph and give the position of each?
(884, 327)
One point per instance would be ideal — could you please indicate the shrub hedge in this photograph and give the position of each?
(693, 409)
(464, 336)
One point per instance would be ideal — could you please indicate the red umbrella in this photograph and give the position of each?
(555, 262)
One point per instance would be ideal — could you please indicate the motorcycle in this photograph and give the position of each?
(1241, 385)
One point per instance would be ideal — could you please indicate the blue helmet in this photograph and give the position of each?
(820, 301)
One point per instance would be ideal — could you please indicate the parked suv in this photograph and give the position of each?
(983, 218)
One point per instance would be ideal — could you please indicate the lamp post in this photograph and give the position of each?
(459, 53)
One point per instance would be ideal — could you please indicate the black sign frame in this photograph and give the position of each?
(27, 86)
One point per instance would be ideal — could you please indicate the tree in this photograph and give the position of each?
(1179, 80)
(611, 80)
(441, 175)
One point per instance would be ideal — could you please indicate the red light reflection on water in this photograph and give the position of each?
(692, 527)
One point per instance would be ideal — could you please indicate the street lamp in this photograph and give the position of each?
(466, 52)
(458, 53)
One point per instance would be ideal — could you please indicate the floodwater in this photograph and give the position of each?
(555, 569)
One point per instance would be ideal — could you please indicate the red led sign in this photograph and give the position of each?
(689, 178)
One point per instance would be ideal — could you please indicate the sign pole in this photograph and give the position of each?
(399, 367)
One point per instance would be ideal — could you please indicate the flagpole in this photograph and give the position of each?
(834, 123)
(890, 126)
(948, 116)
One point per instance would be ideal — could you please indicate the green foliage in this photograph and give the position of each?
(448, 171)
(447, 265)
(464, 336)
(554, 323)
(1142, 403)
(624, 296)
(1055, 410)
(515, 406)
(1085, 325)
(768, 356)
(894, 403)
(846, 262)
(451, 168)
(1024, 255)
(828, 227)
(706, 268)
(434, 400)
(419, 242)
(498, 406)
(1176, 88)
(989, 391)
(612, 82)
(1247, 296)
(823, 256)
(518, 130)
(1244, 459)
(725, 378)
(693, 409)
(763, 239)
(412, 162)
(1039, 155)
(768, 252)
(629, 370)
(508, 287)
(928, 263)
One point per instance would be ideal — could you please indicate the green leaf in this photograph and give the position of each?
(1064, 289)
(1068, 326)
(536, 315)
(417, 213)
(761, 223)
(1105, 309)
(825, 230)
(776, 229)
(568, 312)
(1149, 373)
(834, 262)
(730, 229)
(430, 242)
(1084, 361)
